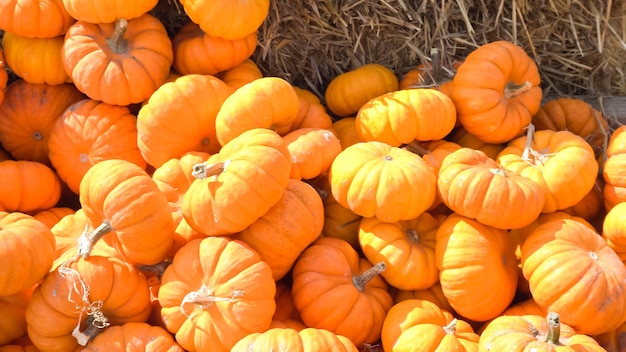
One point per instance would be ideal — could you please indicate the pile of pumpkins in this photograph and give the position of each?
(163, 194)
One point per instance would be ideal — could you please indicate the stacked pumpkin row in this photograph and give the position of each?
(217, 205)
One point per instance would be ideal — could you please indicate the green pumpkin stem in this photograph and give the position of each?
(360, 281)
(88, 239)
(117, 42)
(554, 328)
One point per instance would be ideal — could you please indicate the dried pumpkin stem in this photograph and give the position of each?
(117, 42)
(88, 239)
(450, 329)
(412, 235)
(415, 147)
(528, 147)
(360, 281)
(203, 298)
(512, 90)
(202, 170)
(554, 328)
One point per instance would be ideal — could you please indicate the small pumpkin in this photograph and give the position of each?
(311, 113)
(28, 186)
(133, 336)
(52, 216)
(312, 151)
(35, 18)
(305, 340)
(614, 169)
(94, 11)
(465, 139)
(13, 323)
(614, 230)
(345, 129)
(241, 74)
(496, 91)
(36, 60)
(432, 294)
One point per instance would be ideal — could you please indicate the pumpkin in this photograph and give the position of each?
(591, 206)
(376, 179)
(35, 18)
(311, 113)
(246, 178)
(496, 91)
(133, 336)
(335, 289)
(614, 230)
(613, 172)
(88, 132)
(216, 291)
(347, 92)
(526, 307)
(53, 215)
(227, 19)
(474, 185)
(419, 322)
(267, 102)
(478, 268)
(560, 162)
(118, 63)
(126, 209)
(406, 247)
(534, 333)
(94, 11)
(28, 186)
(287, 228)
(345, 129)
(36, 60)
(305, 340)
(13, 323)
(402, 116)
(312, 151)
(557, 257)
(239, 75)
(433, 294)
(28, 114)
(465, 139)
(198, 52)
(83, 296)
(191, 100)
(574, 115)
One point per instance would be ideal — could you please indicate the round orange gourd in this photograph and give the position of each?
(311, 114)
(287, 228)
(402, 116)
(35, 18)
(88, 132)
(406, 247)
(133, 336)
(335, 289)
(227, 19)
(94, 11)
(561, 163)
(419, 322)
(478, 268)
(267, 102)
(191, 100)
(241, 183)
(53, 215)
(28, 115)
(312, 151)
(572, 245)
(474, 185)
(432, 294)
(198, 52)
(496, 91)
(121, 62)
(614, 229)
(614, 169)
(127, 210)
(434, 152)
(289, 339)
(28, 186)
(345, 129)
(81, 297)
(241, 74)
(13, 322)
(347, 92)
(468, 140)
(36, 60)
(215, 292)
(376, 179)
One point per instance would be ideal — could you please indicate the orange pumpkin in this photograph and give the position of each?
(305, 340)
(28, 115)
(311, 113)
(121, 62)
(53, 215)
(36, 60)
(28, 186)
(133, 336)
(88, 132)
(614, 230)
(496, 91)
(241, 74)
(614, 169)
(94, 11)
(312, 151)
(35, 18)
(334, 289)
(216, 292)
(465, 139)
(419, 322)
(126, 209)
(240, 184)
(432, 294)
(345, 129)
(13, 322)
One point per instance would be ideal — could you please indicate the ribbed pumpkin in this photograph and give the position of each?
(133, 336)
(286, 339)
(312, 151)
(345, 129)
(242, 182)
(614, 169)
(496, 91)
(198, 52)
(36, 60)
(13, 323)
(402, 116)
(478, 268)
(126, 209)
(559, 259)
(81, 297)
(376, 179)
(94, 11)
(463, 138)
(244, 73)
(416, 322)
(28, 186)
(121, 62)
(191, 100)
(216, 292)
(614, 229)
(432, 294)
(88, 132)
(53, 215)
(28, 114)
(35, 18)
(335, 289)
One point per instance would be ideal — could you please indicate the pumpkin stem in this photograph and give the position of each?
(158, 268)
(96, 321)
(450, 329)
(117, 42)
(360, 281)
(512, 90)
(88, 239)
(530, 155)
(416, 148)
(412, 235)
(202, 170)
(203, 298)
(554, 328)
